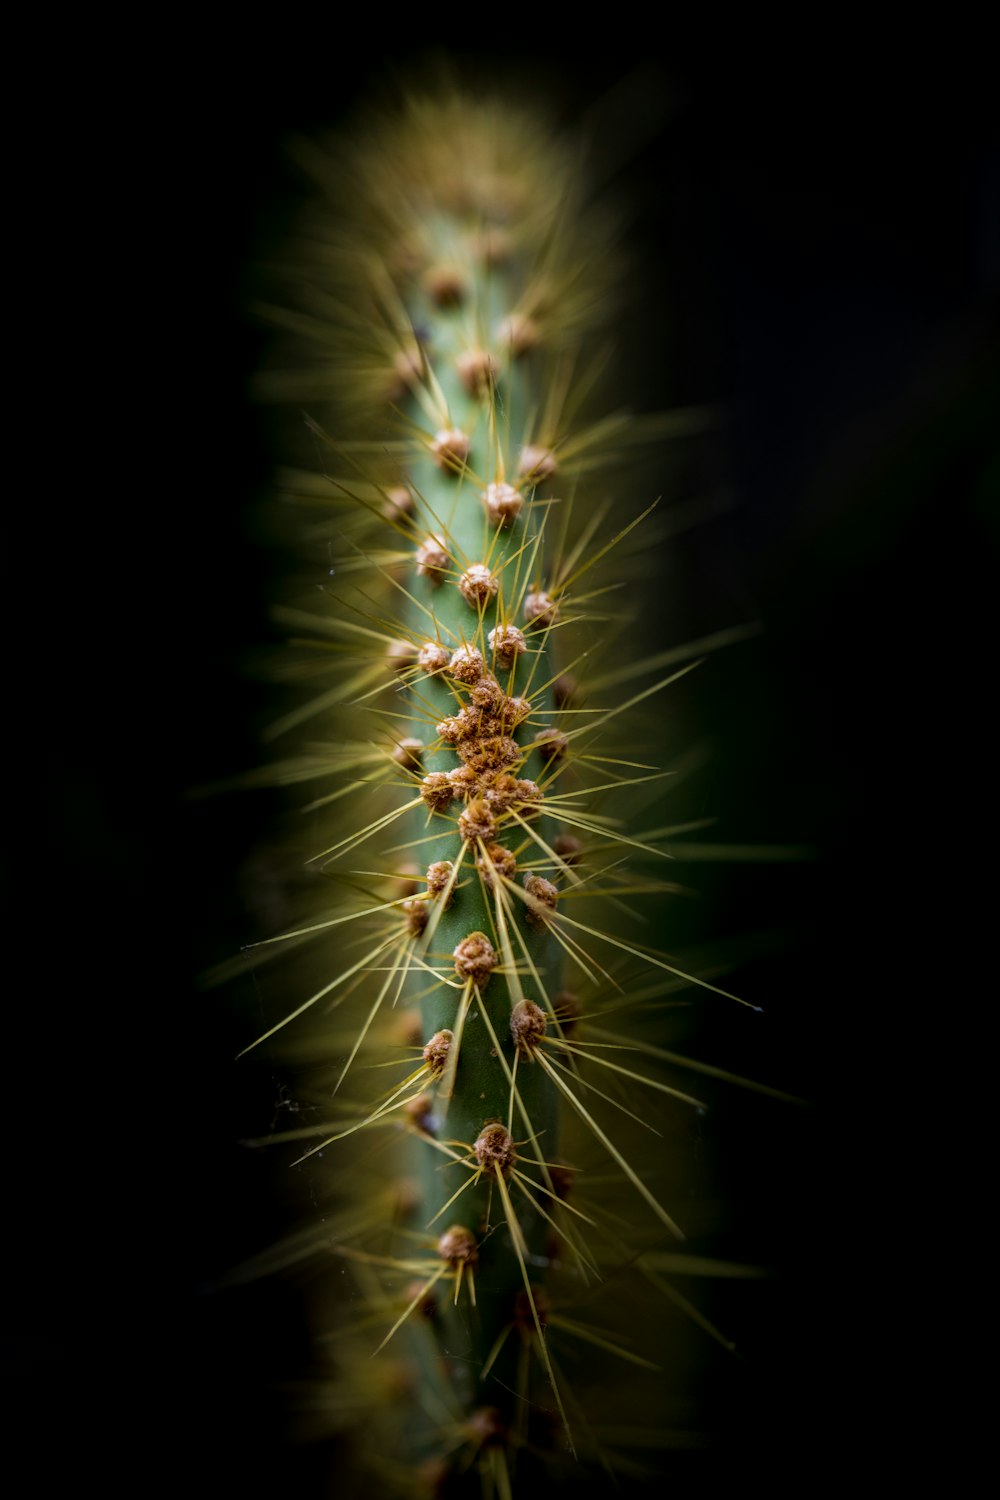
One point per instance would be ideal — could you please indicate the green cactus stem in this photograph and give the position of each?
(462, 777)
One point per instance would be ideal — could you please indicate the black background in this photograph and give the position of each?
(822, 221)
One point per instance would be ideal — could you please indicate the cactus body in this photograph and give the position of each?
(467, 808)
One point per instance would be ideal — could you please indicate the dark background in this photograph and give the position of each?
(821, 225)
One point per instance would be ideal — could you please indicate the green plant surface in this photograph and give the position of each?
(488, 833)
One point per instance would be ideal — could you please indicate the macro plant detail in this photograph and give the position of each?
(479, 990)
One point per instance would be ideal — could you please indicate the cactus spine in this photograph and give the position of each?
(468, 293)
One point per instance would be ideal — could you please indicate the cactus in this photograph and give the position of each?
(469, 776)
